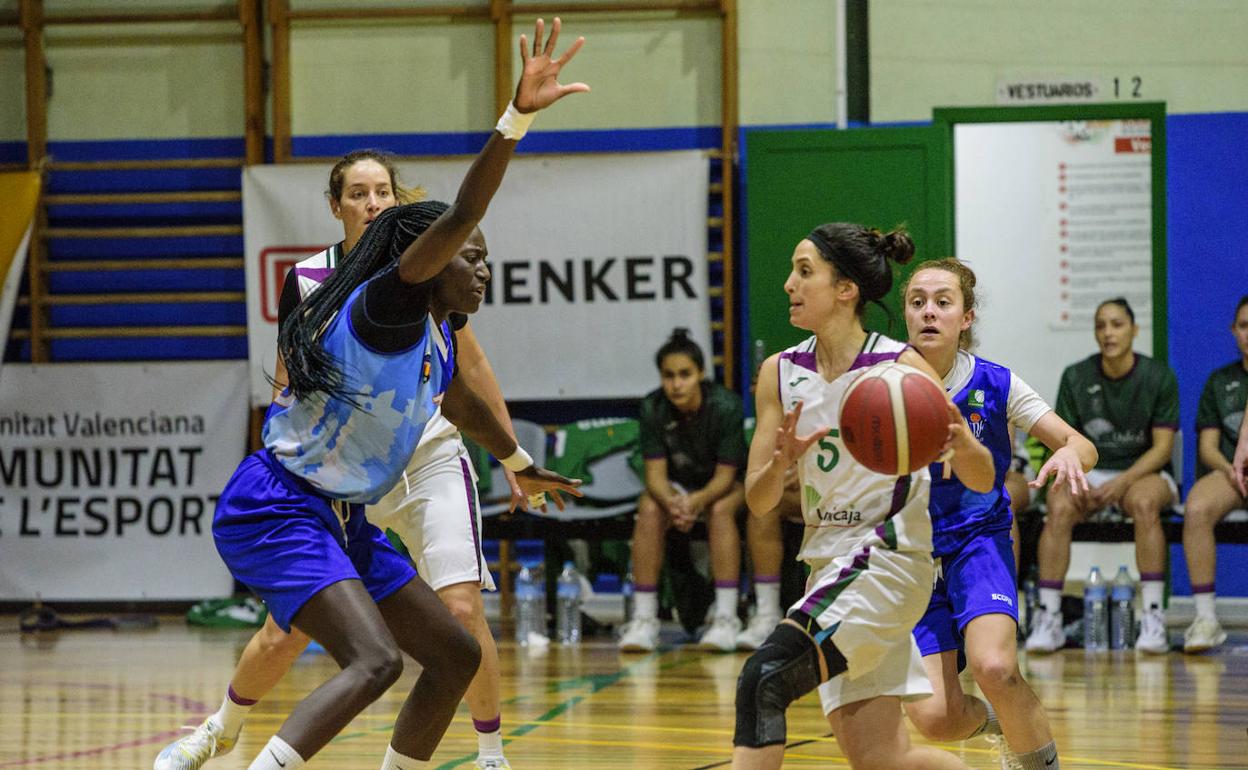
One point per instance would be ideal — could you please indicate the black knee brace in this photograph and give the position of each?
(783, 669)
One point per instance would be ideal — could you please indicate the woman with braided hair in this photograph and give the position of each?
(369, 356)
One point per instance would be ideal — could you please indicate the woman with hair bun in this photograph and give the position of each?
(693, 442)
(868, 535)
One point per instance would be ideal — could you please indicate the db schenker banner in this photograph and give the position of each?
(594, 260)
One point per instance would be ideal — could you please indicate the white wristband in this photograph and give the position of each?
(514, 124)
(517, 461)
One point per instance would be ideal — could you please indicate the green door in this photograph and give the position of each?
(796, 180)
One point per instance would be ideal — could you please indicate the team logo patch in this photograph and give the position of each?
(977, 423)
(976, 399)
(812, 497)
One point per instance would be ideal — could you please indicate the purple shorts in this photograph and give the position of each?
(286, 542)
(978, 579)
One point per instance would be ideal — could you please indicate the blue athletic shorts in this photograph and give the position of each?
(978, 579)
(286, 542)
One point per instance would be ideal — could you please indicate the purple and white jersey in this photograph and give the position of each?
(846, 506)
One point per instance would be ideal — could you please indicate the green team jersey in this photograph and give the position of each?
(1222, 406)
(1118, 415)
(694, 444)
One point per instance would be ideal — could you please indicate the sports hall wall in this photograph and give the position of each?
(420, 88)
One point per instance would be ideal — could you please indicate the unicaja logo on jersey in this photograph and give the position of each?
(976, 399)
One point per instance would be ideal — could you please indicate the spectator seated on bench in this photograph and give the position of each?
(1127, 404)
(1219, 421)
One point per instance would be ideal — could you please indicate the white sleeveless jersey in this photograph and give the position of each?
(846, 506)
(311, 273)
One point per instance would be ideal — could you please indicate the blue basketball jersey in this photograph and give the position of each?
(357, 452)
(958, 512)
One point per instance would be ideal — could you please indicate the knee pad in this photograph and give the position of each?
(783, 669)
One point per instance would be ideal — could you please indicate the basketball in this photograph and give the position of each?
(894, 419)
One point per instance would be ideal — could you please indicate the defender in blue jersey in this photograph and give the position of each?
(368, 358)
(973, 613)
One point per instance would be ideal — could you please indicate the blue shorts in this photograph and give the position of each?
(286, 542)
(978, 579)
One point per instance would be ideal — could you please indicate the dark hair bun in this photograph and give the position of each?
(679, 333)
(897, 246)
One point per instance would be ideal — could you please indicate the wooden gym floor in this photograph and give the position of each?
(104, 699)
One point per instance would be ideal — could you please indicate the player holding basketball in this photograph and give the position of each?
(973, 613)
(433, 510)
(1128, 405)
(367, 355)
(868, 538)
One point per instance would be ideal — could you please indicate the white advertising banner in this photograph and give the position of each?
(109, 476)
(594, 259)
(1055, 217)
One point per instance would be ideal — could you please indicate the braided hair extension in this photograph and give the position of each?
(310, 368)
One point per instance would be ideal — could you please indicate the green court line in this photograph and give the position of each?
(596, 683)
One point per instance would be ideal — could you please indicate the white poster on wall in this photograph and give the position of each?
(594, 260)
(1054, 217)
(109, 476)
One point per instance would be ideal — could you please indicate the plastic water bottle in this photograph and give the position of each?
(530, 604)
(1122, 611)
(1095, 612)
(568, 606)
(626, 592)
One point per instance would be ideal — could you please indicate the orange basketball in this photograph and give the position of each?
(893, 419)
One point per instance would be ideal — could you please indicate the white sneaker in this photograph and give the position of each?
(722, 635)
(1152, 638)
(1047, 634)
(492, 763)
(757, 631)
(191, 752)
(1002, 755)
(1203, 634)
(640, 635)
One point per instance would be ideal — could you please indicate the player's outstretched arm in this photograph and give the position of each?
(776, 445)
(1073, 455)
(538, 88)
(469, 413)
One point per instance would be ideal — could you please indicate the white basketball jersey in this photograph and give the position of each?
(313, 271)
(846, 506)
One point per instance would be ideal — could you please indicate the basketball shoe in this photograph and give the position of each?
(759, 628)
(1203, 634)
(191, 752)
(722, 635)
(1152, 636)
(640, 635)
(1047, 634)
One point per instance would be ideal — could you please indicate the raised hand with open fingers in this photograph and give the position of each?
(790, 446)
(539, 85)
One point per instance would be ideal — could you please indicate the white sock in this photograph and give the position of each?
(1205, 605)
(276, 755)
(490, 745)
(231, 715)
(396, 761)
(726, 602)
(645, 604)
(1151, 592)
(1051, 599)
(768, 597)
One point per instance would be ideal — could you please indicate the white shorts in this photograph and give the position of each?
(434, 510)
(872, 599)
(1098, 476)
